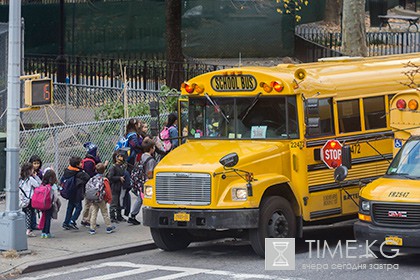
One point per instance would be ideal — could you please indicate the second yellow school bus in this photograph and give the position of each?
(389, 212)
(251, 165)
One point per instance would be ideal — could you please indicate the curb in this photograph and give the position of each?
(86, 257)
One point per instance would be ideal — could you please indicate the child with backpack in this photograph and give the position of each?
(117, 178)
(37, 164)
(46, 200)
(89, 166)
(73, 188)
(169, 134)
(144, 171)
(98, 191)
(28, 181)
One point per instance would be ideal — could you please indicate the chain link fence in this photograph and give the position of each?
(55, 145)
(80, 104)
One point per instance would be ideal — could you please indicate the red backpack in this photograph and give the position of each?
(41, 198)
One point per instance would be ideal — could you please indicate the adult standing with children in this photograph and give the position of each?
(173, 130)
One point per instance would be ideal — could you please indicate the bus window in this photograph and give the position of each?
(374, 108)
(349, 116)
(325, 116)
(245, 117)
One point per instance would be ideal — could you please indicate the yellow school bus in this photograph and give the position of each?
(389, 213)
(251, 166)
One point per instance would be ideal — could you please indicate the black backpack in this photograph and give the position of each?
(139, 176)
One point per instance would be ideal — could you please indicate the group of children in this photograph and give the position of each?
(87, 179)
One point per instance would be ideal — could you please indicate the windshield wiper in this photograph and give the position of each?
(216, 107)
(252, 105)
(405, 175)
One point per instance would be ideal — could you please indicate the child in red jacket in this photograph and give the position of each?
(107, 198)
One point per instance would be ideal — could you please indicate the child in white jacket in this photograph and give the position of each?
(27, 182)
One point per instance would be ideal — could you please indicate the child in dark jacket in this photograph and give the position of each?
(74, 206)
(116, 178)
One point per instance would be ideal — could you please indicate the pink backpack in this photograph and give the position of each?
(165, 135)
(41, 198)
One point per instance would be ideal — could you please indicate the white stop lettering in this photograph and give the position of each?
(332, 154)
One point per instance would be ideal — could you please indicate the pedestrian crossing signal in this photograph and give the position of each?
(38, 92)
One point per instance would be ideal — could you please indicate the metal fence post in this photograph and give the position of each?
(56, 152)
(66, 116)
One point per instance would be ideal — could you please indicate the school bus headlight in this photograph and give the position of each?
(365, 205)
(401, 104)
(413, 105)
(365, 218)
(148, 191)
(278, 86)
(239, 194)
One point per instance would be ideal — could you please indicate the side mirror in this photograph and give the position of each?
(340, 173)
(229, 160)
(312, 107)
(313, 126)
(154, 109)
(154, 128)
(346, 156)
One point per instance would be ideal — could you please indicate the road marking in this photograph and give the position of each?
(141, 268)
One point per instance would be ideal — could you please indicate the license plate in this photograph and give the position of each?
(181, 217)
(393, 240)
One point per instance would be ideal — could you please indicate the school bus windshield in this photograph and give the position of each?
(256, 117)
(407, 161)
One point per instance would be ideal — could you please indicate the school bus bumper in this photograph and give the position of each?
(408, 239)
(200, 219)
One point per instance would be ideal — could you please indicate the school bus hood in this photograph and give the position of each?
(204, 156)
(394, 189)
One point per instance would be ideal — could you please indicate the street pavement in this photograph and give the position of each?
(74, 246)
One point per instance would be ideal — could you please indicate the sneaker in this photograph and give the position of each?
(110, 229)
(48, 235)
(133, 221)
(121, 219)
(66, 226)
(30, 234)
(85, 224)
(73, 225)
(43, 235)
(92, 231)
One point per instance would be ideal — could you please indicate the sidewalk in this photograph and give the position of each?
(74, 246)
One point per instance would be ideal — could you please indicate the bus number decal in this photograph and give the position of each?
(223, 83)
(297, 144)
(355, 148)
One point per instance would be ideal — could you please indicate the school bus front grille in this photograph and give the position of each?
(396, 214)
(183, 188)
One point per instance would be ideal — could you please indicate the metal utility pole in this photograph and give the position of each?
(12, 221)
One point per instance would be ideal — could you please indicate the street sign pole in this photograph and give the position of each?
(12, 221)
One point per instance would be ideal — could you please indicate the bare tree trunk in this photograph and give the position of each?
(354, 30)
(333, 11)
(174, 56)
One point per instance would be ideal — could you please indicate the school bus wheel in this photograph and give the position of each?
(169, 239)
(277, 220)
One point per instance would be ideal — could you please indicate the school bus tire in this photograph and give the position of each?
(277, 220)
(169, 239)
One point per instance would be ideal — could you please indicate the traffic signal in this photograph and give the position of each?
(38, 92)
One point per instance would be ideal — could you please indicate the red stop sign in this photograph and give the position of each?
(331, 154)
